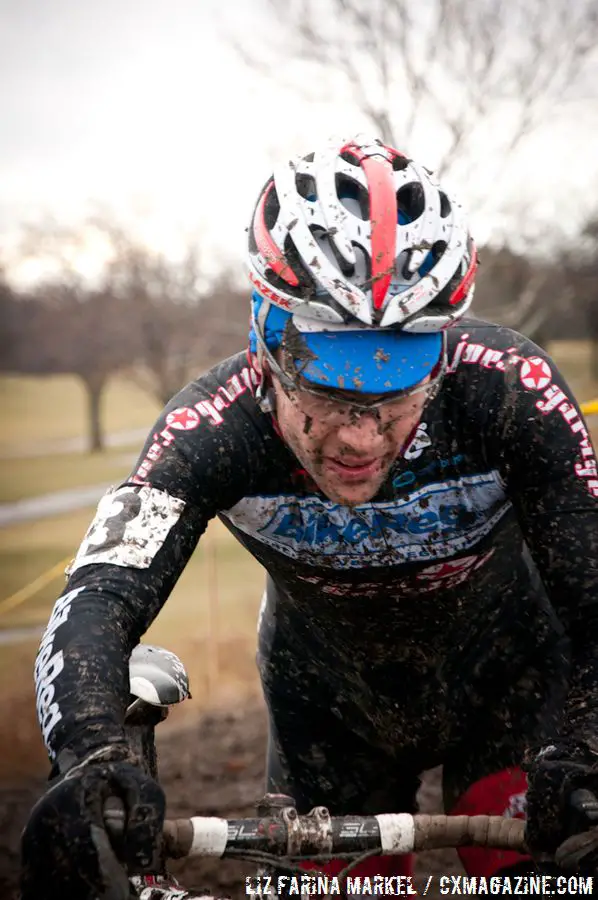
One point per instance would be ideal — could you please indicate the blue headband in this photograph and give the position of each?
(274, 326)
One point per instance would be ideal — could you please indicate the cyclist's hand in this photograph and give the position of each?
(67, 851)
(562, 805)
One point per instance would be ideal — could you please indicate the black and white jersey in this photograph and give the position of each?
(479, 549)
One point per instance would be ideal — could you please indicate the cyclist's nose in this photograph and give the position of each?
(362, 433)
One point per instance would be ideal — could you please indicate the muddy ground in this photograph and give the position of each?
(215, 767)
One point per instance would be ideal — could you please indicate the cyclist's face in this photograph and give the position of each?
(347, 451)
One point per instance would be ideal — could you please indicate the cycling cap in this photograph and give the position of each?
(372, 361)
(370, 258)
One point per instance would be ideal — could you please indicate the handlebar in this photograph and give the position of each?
(281, 838)
(294, 836)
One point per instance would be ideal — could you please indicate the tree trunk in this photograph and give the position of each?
(594, 359)
(94, 385)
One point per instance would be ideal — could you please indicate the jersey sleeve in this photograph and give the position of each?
(543, 450)
(206, 450)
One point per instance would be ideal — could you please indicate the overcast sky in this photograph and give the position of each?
(141, 105)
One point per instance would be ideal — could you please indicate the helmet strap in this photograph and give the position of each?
(264, 394)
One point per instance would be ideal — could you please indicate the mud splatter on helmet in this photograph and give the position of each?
(358, 234)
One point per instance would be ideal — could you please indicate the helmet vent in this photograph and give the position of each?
(353, 197)
(445, 205)
(329, 248)
(410, 201)
(438, 249)
(306, 186)
(399, 163)
(272, 208)
(350, 158)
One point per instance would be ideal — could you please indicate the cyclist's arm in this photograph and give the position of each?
(545, 454)
(131, 557)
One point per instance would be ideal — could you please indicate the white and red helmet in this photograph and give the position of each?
(359, 234)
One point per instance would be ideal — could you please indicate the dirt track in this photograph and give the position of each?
(214, 768)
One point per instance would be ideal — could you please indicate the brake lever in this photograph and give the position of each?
(583, 822)
(117, 885)
(583, 810)
(114, 818)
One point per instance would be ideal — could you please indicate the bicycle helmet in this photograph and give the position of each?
(357, 237)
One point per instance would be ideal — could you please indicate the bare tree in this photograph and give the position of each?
(527, 293)
(158, 301)
(8, 318)
(64, 327)
(225, 318)
(472, 74)
(581, 263)
(89, 342)
(156, 319)
(178, 323)
(453, 64)
(65, 323)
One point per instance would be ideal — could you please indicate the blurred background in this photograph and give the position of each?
(136, 135)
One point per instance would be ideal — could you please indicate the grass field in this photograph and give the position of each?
(573, 359)
(33, 410)
(22, 477)
(36, 410)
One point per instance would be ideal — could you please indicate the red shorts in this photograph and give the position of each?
(499, 794)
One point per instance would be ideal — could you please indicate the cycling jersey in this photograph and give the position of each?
(430, 600)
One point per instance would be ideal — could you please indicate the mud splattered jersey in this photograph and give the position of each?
(479, 549)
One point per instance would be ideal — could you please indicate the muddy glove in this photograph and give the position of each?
(67, 853)
(562, 807)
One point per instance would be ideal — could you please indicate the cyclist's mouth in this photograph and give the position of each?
(353, 470)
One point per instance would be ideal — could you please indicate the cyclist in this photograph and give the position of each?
(423, 493)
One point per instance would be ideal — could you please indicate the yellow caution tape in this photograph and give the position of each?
(590, 408)
(30, 589)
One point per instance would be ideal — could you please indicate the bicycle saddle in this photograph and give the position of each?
(157, 676)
